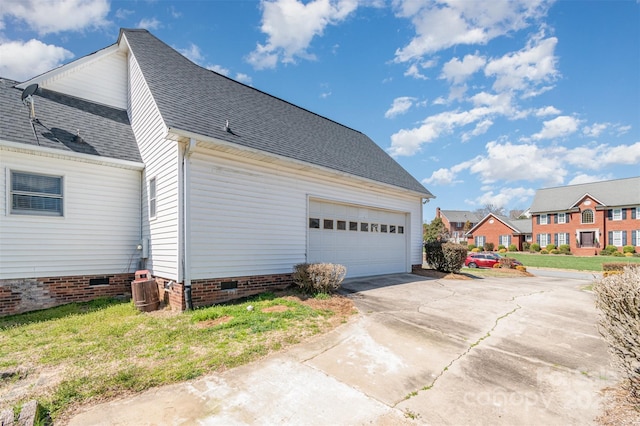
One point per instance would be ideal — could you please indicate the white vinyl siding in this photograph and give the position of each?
(103, 80)
(162, 163)
(98, 233)
(251, 218)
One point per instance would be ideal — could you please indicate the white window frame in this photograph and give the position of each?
(545, 240)
(562, 238)
(562, 218)
(593, 216)
(616, 238)
(58, 212)
(637, 241)
(616, 214)
(637, 213)
(504, 240)
(153, 197)
(544, 219)
(480, 238)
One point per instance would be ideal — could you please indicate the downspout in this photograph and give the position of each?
(186, 222)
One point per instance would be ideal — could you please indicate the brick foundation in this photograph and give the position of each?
(209, 292)
(31, 294)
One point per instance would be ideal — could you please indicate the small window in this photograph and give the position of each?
(374, 227)
(617, 238)
(314, 223)
(364, 226)
(392, 229)
(562, 238)
(545, 239)
(400, 229)
(328, 224)
(35, 194)
(544, 219)
(616, 214)
(383, 228)
(353, 226)
(562, 218)
(587, 216)
(341, 225)
(152, 197)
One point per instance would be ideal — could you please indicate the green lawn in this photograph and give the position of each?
(560, 261)
(106, 348)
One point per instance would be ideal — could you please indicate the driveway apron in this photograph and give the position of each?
(486, 351)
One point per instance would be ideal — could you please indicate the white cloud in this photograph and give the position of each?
(21, 61)
(621, 154)
(149, 24)
(446, 23)
(457, 71)
(291, 25)
(218, 68)
(194, 54)
(414, 72)
(400, 106)
(244, 78)
(525, 69)
(585, 178)
(595, 129)
(54, 16)
(480, 129)
(548, 110)
(505, 197)
(124, 13)
(558, 127)
(441, 177)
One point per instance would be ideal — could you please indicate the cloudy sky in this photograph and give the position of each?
(483, 102)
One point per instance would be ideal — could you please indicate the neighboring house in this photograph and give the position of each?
(455, 221)
(588, 216)
(138, 158)
(500, 230)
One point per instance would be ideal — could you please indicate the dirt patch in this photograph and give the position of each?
(276, 308)
(619, 408)
(432, 273)
(213, 322)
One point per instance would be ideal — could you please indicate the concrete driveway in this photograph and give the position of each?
(487, 351)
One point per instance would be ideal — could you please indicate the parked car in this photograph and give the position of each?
(484, 260)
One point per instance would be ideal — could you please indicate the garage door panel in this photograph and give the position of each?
(369, 252)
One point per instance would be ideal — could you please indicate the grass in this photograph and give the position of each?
(559, 261)
(106, 348)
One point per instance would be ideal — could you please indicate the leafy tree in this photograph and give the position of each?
(467, 227)
(435, 231)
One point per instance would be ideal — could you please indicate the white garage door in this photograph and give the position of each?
(367, 241)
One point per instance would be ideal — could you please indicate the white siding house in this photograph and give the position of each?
(219, 188)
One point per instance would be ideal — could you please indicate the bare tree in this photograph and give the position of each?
(490, 208)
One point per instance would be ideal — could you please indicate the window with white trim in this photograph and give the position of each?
(616, 239)
(638, 213)
(562, 218)
(36, 194)
(480, 241)
(616, 214)
(587, 216)
(153, 200)
(544, 219)
(562, 238)
(505, 240)
(545, 240)
(637, 241)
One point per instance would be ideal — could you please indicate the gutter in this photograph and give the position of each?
(186, 223)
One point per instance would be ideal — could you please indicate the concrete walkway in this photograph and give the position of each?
(488, 351)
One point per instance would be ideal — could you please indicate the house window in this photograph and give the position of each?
(635, 213)
(544, 239)
(342, 225)
(616, 238)
(563, 238)
(562, 218)
(35, 194)
(314, 223)
(328, 224)
(636, 240)
(353, 226)
(152, 198)
(383, 228)
(392, 229)
(480, 241)
(544, 219)
(616, 214)
(587, 216)
(374, 227)
(364, 227)
(505, 240)
(400, 229)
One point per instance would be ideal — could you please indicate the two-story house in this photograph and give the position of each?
(455, 221)
(588, 216)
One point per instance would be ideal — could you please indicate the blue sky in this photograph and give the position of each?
(483, 102)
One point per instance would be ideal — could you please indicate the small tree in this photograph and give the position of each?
(435, 231)
(445, 257)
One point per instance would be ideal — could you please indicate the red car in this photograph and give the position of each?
(484, 260)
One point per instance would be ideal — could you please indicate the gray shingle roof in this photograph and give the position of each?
(611, 193)
(519, 226)
(105, 131)
(460, 216)
(194, 99)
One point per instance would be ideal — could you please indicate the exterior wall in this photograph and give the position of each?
(30, 294)
(492, 233)
(250, 217)
(102, 80)
(161, 159)
(100, 229)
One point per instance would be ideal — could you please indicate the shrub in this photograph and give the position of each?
(550, 247)
(315, 278)
(609, 250)
(445, 257)
(502, 250)
(521, 268)
(513, 247)
(618, 266)
(618, 299)
(470, 247)
(617, 254)
(627, 254)
(564, 248)
(501, 246)
(544, 252)
(628, 249)
(535, 247)
(476, 250)
(526, 246)
(489, 246)
(507, 262)
(554, 251)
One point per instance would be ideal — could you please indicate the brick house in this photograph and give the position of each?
(455, 220)
(500, 230)
(588, 216)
